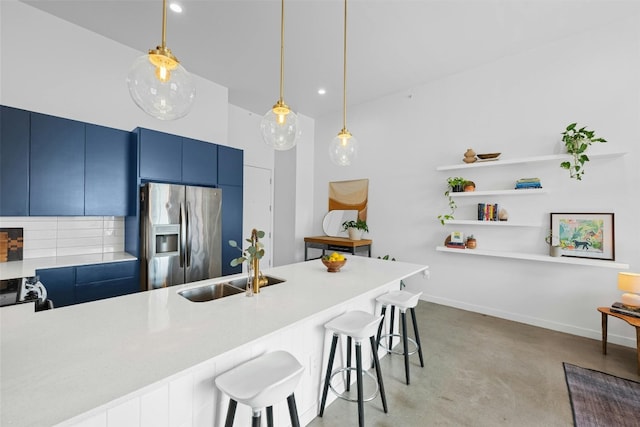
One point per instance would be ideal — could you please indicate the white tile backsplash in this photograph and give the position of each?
(61, 236)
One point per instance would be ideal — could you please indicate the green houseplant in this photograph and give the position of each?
(454, 184)
(355, 228)
(577, 141)
(253, 254)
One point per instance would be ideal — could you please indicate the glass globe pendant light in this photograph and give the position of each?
(279, 126)
(158, 84)
(344, 147)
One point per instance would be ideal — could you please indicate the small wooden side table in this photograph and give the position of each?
(633, 321)
(341, 244)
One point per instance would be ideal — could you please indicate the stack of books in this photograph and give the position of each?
(618, 307)
(487, 211)
(524, 183)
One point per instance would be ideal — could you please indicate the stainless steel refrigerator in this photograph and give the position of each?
(180, 233)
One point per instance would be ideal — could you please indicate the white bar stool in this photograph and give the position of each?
(403, 300)
(357, 326)
(261, 383)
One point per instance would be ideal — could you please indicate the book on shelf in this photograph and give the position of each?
(618, 307)
(528, 183)
(487, 211)
(455, 245)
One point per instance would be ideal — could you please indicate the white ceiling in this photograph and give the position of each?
(393, 45)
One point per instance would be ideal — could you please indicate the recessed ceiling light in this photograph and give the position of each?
(321, 91)
(175, 7)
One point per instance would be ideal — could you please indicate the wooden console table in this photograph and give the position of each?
(633, 321)
(337, 244)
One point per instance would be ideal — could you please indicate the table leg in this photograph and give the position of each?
(604, 333)
(638, 346)
(306, 251)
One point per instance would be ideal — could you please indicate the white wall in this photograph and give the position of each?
(518, 106)
(54, 67)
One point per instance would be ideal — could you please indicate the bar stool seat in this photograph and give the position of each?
(402, 300)
(262, 382)
(356, 326)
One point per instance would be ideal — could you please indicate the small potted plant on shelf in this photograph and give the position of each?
(577, 141)
(455, 185)
(471, 242)
(355, 228)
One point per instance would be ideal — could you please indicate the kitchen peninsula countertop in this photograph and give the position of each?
(70, 360)
(28, 267)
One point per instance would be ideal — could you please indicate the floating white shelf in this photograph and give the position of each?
(501, 162)
(537, 257)
(523, 192)
(490, 223)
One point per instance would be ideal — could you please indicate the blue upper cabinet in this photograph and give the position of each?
(231, 226)
(14, 161)
(57, 166)
(178, 160)
(106, 171)
(160, 156)
(199, 162)
(230, 166)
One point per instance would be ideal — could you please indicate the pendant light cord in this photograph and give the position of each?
(344, 75)
(281, 53)
(164, 24)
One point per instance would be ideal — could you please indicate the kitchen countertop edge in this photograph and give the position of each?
(28, 267)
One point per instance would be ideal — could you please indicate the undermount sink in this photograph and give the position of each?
(210, 292)
(223, 289)
(241, 282)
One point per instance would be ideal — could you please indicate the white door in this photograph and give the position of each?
(258, 193)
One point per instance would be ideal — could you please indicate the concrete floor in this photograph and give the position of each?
(482, 371)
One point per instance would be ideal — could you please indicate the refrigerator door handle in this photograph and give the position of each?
(183, 234)
(188, 236)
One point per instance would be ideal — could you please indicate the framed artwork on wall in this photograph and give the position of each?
(585, 235)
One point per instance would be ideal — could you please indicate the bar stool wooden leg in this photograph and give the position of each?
(269, 416)
(327, 378)
(255, 419)
(382, 313)
(393, 313)
(231, 413)
(348, 387)
(359, 384)
(293, 411)
(376, 363)
(415, 331)
(405, 345)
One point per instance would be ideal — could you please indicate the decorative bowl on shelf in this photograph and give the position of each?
(488, 156)
(334, 266)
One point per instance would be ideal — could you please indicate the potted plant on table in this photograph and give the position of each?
(355, 228)
(577, 141)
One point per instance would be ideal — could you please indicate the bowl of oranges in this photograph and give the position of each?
(334, 262)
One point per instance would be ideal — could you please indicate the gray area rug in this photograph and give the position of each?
(599, 399)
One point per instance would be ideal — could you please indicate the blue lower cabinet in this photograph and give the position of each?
(231, 226)
(60, 285)
(99, 281)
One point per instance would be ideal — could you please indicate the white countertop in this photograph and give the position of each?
(59, 363)
(28, 267)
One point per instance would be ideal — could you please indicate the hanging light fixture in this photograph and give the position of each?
(279, 125)
(157, 82)
(344, 147)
